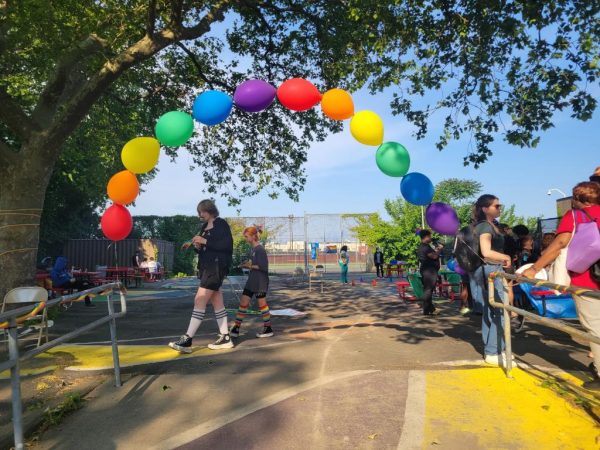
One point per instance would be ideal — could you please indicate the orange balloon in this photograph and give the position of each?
(123, 187)
(337, 104)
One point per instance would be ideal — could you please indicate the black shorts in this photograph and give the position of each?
(212, 279)
(249, 293)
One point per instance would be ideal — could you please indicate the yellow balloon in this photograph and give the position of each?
(367, 128)
(140, 154)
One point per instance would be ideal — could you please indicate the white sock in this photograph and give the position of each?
(222, 321)
(195, 321)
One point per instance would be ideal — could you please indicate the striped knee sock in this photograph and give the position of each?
(195, 321)
(240, 315)
(266, 315)
(221, 316)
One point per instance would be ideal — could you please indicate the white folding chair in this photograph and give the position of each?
(25, 295)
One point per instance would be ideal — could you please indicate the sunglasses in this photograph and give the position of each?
(498, 206)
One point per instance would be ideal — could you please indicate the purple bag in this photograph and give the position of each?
(584, 249)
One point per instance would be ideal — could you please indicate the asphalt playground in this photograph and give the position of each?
(357, 367)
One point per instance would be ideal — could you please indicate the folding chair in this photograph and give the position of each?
(24, 295)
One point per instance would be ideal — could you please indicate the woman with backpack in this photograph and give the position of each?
(486, 211)
(586, 208)
(214, 246)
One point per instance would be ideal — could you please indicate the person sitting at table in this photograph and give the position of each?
(144, 264)
(62, 278)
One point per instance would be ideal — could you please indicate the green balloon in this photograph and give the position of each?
(392, 159)
(174, 128)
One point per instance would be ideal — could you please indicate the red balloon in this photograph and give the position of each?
(298, 94)
(116, 222)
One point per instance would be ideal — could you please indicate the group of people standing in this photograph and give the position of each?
(499, 251)
(214, 246)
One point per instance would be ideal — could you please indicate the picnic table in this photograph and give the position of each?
(397, 267)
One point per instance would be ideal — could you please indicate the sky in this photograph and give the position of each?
(342, 176)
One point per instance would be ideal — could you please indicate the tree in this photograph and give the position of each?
(58, 60)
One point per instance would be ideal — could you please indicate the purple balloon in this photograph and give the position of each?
(459, 270)
(254, 95)
(442, 219)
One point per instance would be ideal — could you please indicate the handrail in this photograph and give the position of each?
(552, 323)
(13, 363)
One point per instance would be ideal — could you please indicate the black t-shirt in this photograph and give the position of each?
(497, 238)
(426, 262)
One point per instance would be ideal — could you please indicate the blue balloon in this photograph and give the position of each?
(451, 264)
(417, 189)
(212, 107)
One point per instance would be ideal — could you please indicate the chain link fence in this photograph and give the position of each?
(289, 239)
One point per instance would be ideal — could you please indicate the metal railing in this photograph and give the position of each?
(552, 323)
(14, 361)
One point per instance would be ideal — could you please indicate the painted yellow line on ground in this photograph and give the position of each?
(99, 357)
(481, 408)
(28, 372)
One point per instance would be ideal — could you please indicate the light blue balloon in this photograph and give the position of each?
(212, 107)
(417, 189)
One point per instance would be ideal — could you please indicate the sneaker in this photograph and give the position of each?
(266, 332)
(224, 341)
(235, 331)
(464, 311)
(497, 360)
(593, 385)
(592, 369)
(183, 345)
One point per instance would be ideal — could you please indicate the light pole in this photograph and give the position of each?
(557, 190)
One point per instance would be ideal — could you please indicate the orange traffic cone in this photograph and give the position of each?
(353, 283)
(374, 282)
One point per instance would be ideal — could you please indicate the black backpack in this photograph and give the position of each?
(466, 249)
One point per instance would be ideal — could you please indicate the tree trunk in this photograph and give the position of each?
(22, 191)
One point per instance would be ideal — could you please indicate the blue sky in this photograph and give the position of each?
(342, 176)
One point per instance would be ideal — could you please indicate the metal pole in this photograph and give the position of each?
(507, 333)
(305, 245)
(422, 217)
(113, 337)
(15, 384)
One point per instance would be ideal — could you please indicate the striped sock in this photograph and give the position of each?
(240, 315)
(221, 316)
(195, 321)
(266, 315)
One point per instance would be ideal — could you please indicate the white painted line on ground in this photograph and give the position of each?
(411, 437)
(214, 424)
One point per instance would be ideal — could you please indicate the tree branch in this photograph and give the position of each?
(201, 73)
(7, 155)
(79, 104)
(56, 85)
(14, 117)
(151, 18)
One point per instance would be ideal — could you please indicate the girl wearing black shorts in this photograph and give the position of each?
(214, 246)
(257, 285)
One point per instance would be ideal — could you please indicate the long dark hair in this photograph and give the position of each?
(482, 202)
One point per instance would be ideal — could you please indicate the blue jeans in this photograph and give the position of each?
(344, 275)
(477, 285)
(492, 321)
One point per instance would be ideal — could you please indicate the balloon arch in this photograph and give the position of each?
(175, 128)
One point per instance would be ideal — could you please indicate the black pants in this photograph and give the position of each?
(429, 278)
(379, 268)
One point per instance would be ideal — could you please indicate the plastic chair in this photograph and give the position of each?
(416, 284)
(25, 295)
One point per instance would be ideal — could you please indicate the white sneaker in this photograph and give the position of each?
(464, 310)
(497, 360)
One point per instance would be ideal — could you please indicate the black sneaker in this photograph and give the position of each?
(266, 332)
(235, 331)
(183, 345)
(224, 341)
(593, 385)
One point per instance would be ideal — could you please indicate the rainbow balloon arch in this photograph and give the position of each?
(175, 128)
